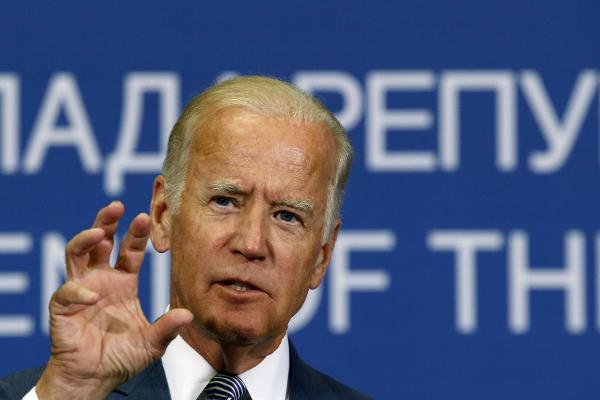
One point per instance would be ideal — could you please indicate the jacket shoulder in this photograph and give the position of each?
(17, 385)
(151, 383)
(307, 382)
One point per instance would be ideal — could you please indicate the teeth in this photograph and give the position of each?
(239, 287)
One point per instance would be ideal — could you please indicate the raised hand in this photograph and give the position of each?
(100, 336)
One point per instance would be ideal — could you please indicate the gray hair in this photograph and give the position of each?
(265, 96)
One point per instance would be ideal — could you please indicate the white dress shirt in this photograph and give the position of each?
(188, 373)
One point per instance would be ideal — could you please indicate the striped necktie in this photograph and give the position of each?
(224, 387)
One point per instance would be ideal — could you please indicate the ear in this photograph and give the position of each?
(160, 214)
(324, 258)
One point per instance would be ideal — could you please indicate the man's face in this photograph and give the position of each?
(247, 242)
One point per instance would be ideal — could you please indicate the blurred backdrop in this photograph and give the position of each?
(468, 265)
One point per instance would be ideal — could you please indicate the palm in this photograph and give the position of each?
(109, 337)
(98, 330)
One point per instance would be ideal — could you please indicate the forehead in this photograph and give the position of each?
(242, 142)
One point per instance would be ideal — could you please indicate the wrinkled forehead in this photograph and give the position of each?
(248, 134)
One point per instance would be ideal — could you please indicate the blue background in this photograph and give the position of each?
(402, 343)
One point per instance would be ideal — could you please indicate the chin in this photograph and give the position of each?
(236, 333)
(236, 338)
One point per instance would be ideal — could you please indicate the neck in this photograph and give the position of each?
(226, 356)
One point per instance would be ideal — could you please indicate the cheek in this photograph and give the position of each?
(206, 230)
(196, 235)
(295, 267)
(196, 245)
(186, 250)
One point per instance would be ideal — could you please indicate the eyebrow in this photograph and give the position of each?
(224, 187)
(301, 205)
(230, 188)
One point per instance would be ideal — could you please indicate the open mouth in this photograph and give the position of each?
(238, 286)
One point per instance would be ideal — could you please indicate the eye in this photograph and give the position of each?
(223, 201)
(287, 217)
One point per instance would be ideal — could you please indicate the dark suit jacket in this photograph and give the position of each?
(304, 383)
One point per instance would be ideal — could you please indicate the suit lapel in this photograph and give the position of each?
(300, 383)
(151, 383)
(304, 383)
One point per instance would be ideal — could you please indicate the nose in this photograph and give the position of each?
(250, 239)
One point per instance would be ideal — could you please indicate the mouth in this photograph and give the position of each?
(238, 286)
(239, 291)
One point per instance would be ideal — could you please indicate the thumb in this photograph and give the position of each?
(167, 326)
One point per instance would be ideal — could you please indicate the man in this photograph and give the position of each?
(248, 204)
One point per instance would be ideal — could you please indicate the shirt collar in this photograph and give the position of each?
(269, 379)
(188, 372)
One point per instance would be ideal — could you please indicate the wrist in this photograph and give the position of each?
(56, 383)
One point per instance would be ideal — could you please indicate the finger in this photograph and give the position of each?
(108, 220)
(167, 327)
(77, 252)
(72, 297)
(133, 247)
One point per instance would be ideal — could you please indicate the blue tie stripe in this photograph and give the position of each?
(225, 387)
